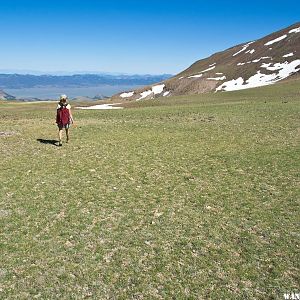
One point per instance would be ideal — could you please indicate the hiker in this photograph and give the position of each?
(64, 117)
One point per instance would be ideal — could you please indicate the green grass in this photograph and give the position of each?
(183, 198)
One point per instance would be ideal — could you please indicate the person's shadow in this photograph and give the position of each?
(49, 142)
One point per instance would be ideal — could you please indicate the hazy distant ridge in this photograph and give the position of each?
(16, 81)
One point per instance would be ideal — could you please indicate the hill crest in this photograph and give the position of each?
(265, 61)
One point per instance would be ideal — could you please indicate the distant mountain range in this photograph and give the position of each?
(5, 96)
(257, 63)
(20, 81)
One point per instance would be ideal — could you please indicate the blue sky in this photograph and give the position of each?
(130, 36)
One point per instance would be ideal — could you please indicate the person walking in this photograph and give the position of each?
(64, 118)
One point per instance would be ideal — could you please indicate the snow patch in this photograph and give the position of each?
(209, 69)
(217, 78)
(259, 59)
(166, 93)
(295, 30)
(250, 51)
(196, 76)
(288, 55)
(265, 65)
(212, 64)
(284, 70)
(157, 89)
(276, 40)
(231, 85)
(127, 95)
(145, 94)
(200, 75)
(102, 106)
(243, 49)
(219, 73)
(253, 61)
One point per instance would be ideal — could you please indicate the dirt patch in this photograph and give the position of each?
(6, 133)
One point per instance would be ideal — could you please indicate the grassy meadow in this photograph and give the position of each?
(192, 197)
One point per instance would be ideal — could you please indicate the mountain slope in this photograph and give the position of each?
(5, 96)
(252, 64)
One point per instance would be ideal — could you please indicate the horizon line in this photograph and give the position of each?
(70, 73)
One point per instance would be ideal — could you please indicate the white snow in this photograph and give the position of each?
(166, 93)
(102, 106)
(264, 65)
(200, 75)
(219, 73)
(288, 55)
(127, 95)
(145, 94)
(208, 69)
(196, 76)
(243, 49)
(231, 85)
(286, 67)
(275, 67)
(295, 30)
(276, 40)
(217, 78)
(259, 79)
(284, 70)
(259, 59)
(212, 65)
(181, 77)
(157, 89)
(250, 51)
(254, 61)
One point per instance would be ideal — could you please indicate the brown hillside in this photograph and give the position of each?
(262, 62)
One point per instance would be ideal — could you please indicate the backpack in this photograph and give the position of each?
(63, 115)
